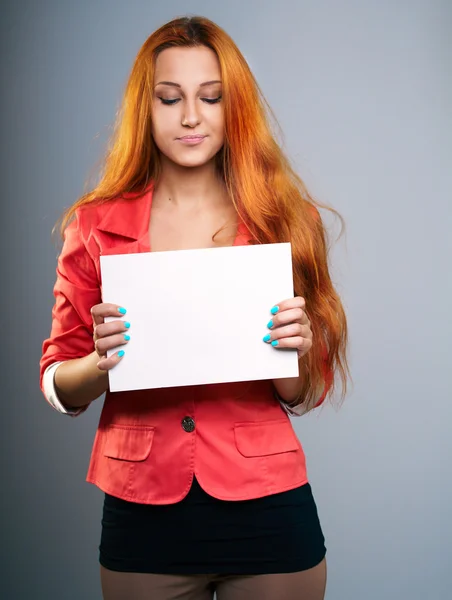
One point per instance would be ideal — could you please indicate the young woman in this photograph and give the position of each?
(205, 486)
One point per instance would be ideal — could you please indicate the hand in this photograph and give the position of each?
(290, 326)
(109, 335)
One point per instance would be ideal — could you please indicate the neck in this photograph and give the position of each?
(190, 186)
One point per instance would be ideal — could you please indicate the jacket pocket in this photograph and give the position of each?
(128, 442)
(266, 438)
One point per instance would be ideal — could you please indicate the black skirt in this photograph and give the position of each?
(280, 533)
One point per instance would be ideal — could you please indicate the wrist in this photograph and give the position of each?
(289, 389)
(79, 381)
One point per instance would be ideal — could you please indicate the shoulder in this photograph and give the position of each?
(88, 216)
(117, 214)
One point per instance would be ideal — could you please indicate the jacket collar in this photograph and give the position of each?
(129, 215)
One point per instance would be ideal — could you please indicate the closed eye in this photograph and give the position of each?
(166, 101)
(211, 100)
(170, 102)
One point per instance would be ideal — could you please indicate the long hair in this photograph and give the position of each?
(267, 193)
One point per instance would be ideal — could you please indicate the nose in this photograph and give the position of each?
(190, 116)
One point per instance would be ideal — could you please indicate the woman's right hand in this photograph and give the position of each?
(109, 335)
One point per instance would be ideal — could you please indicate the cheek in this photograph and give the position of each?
(161, 140)
(217, 124)
(162, 124)
(220, 120)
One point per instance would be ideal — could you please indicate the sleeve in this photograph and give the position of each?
(76, 290)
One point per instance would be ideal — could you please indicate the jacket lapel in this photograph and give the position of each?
(125, 223)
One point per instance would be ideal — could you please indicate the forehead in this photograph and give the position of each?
(189, 66)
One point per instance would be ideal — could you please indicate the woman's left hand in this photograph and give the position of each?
(290, 326)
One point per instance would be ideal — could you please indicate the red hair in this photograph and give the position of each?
(268, 195)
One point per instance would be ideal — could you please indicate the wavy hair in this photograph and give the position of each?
(267, 193)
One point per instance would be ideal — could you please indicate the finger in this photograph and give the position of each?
(288, 331)
(105, 364)
(100, 311)
(298, 342)
(291, 315)
(102, 345)
(110, 328)
(297, 302)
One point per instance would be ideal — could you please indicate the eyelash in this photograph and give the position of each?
(175, 100)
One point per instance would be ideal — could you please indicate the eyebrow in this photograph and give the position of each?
(171, 83)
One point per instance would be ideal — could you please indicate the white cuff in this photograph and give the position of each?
(51, 395)
(296, 411)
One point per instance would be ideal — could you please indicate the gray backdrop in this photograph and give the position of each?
(362, 91)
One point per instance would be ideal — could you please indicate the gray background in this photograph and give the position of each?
(362, 91)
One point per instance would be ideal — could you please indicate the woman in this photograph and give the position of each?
(205, 486)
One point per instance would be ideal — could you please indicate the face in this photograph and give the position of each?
(187, 109)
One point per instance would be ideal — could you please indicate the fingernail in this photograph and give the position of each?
(270, 324)
(275, 343)
(121, 353)
(127, 337)
(122, 311)
(274, 310)
(267, 338)
(126, 324)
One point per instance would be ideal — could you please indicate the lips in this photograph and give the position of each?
(192, 140)
(192, 137)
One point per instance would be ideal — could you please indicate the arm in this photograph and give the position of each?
(295, 406)
(78, 381)
(75, 381)
(50, 394)
(289, 389)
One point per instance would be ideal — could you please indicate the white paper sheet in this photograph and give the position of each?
(199, 316)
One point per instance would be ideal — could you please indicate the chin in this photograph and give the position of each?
(191, 162)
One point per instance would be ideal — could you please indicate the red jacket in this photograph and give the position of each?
(235, 437)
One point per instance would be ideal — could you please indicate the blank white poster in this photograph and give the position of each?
(199, 316)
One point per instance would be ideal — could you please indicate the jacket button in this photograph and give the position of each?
(188, 424)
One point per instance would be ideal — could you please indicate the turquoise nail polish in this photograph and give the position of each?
(275, 343)
(267, 338)
(126, 324)
(274, 310)
(127, 337)
(121, 353)
(122, 311)
(270, 324)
